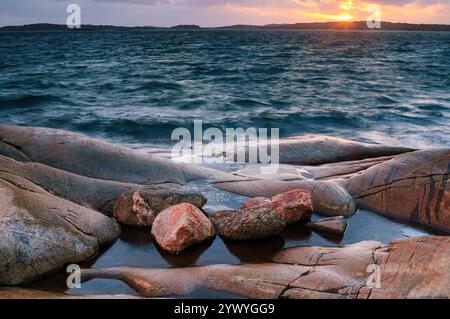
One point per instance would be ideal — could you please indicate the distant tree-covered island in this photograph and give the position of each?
(342, 25)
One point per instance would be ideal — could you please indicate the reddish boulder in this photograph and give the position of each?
(181, 226)
(257, 202)
(293, 206)
(249, 224)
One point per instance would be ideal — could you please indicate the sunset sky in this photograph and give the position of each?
(220, 12)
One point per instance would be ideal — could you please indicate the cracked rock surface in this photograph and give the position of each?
(413, 187)
(409, 268)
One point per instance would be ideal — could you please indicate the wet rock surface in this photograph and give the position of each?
(332, 225)
(294, 206)
(311, 272)
(181, 226)
(249, 224)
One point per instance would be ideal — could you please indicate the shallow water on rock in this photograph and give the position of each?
(136, 249)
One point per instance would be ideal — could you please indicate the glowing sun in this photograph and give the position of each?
(345, 17)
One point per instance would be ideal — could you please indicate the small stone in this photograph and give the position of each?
(181, 226)
(162, 199)
(139, 208)
(294, 206)
(131, 209)
(249, 224)
(333, 225)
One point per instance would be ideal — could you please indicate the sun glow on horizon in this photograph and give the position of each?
(344, 11)
(345, 17)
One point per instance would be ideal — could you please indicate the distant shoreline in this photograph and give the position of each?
(351, 26)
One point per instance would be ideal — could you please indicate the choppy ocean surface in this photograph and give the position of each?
(136, 87)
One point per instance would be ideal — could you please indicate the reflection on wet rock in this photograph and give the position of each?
(255, 250)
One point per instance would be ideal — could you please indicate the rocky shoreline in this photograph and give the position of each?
(63, 196)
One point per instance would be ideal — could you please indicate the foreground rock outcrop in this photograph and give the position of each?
(40, 232)
(408, 268)
(181, 226)
(248, 224)
(54, 183)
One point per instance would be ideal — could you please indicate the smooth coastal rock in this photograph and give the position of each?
(311, 272)
(89, 192)
(90, 157)
(139, 208)
(40, 233)
(249, 224)
(181, 226)
(294, 206)
(413, 187)
(333, 225)
(321, 149)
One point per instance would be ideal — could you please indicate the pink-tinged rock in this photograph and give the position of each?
(181, 226)
(257, 202)
(131, 209)
(293, 206)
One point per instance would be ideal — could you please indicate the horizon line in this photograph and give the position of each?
(224, 26)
